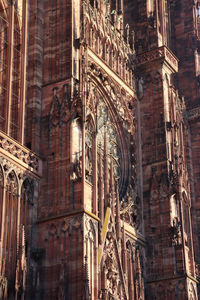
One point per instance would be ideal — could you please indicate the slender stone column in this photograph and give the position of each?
(23, 72)
(105, 168)
(118, 225)
(10, 65)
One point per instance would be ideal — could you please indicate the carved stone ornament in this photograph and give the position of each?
(99, 38)
(175, 231)
(59, 108)
(64, 109)
(67, 225)
(117, 95)
(112, 271)
(130, 208)
(76, 169)
(18, 151)
(159, 53)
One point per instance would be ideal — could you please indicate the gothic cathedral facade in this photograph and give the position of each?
(99, 149)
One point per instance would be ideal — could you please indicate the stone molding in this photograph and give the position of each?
(161, 53)
(22, 156)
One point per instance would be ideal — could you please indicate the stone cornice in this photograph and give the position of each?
(159, 54)
(20, 155)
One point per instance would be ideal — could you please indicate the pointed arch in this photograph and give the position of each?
(113, 117)
(12, 182)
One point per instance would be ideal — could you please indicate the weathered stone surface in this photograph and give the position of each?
(99, 149)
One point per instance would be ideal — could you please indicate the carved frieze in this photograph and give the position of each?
(161, 53)
(21, 155)
(66, 225)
